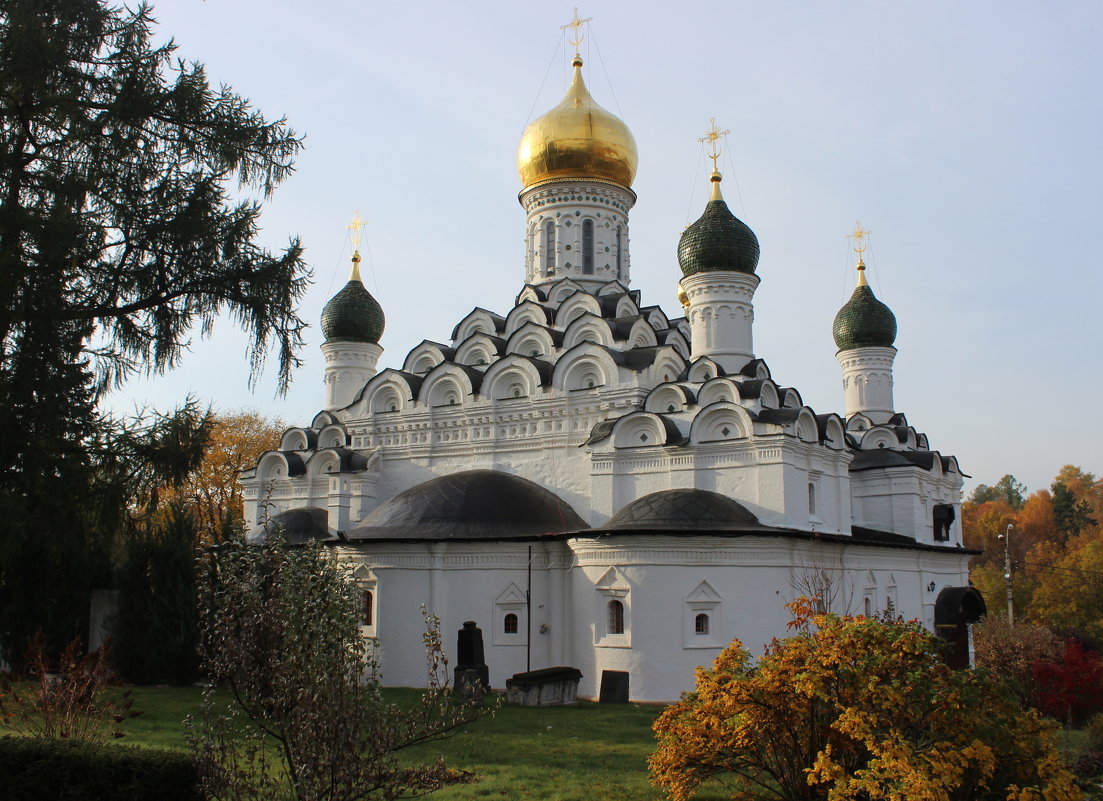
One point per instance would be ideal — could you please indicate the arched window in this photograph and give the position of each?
(549, 248)
(867, 606)
(509, 624)
(701, 624)
(618, 252)
(530, 247)
(367, 608)
(588, 247)
(616, 617)
(811, 498)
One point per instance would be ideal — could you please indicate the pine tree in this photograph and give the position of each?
(118, 237)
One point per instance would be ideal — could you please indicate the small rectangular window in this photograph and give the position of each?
(367, 610)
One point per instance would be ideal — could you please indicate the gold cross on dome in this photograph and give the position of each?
(859, 236)
(712, 139)
(355, 226)
(576, 23)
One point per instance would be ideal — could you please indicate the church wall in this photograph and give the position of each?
(740, 583)
(902, 499)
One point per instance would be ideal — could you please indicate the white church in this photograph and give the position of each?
(600, 485)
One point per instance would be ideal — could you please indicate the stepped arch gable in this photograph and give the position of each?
(832, 430)
(879, 437)
(563, 289)
(667, 366)
(790, 398)
(512, 376)
(656, 317)
(719, 422)
(479, 350)
(449, 384)
(703, 369)
(526, 312)
(388, 391)
(299, 439)
(425, 356)
(587, 327)
(274, 465)
(478, 320)
(333, 436)
(575, 305)
(641, 335)
(805, 426)
(585, 366)
(614, 287)
(535, 294)
(674, 338)
(644, 430)
(669, 398)
(534, 340)
(716, 390)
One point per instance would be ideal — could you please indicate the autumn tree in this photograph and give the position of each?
(1071, 514)
(306, 718)
(130, 194)
(1013, 651)
(1007, 489)
(211, 492)
(1070, 596)
(855, 708)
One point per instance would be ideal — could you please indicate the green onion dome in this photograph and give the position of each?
(353, 315)
(718, 240)
(864, 322)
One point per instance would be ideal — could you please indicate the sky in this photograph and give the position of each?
(964, 136)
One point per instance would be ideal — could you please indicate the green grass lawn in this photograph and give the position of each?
(590, 752)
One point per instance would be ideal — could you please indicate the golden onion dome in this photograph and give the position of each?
(577, 139)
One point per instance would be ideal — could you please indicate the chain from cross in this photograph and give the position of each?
(576, 23)
(712, 139)
(859, 235)
(355, 226)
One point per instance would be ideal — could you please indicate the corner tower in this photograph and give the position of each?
(718, 256)
(577, 163)
(864, 330)
(352, 323)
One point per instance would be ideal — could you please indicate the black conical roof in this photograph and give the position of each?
(353, 315)
(864, 322)
(718, 241)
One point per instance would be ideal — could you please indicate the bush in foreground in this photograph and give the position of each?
(856, 708)
(33, 769)
(279, 629)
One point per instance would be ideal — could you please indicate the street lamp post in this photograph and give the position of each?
(1007, 572)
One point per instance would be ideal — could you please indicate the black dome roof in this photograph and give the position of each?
(685, 509)
(718, 241)
(864, 322)
(353, 315)
(473, 505)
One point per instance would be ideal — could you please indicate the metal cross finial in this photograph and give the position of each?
(355, 226)
(859, 236)
(576, 23)
(712, 139)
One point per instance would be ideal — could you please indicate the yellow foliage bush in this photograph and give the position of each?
(856, 708)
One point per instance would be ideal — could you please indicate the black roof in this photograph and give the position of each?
(684, 510)
(472, 505)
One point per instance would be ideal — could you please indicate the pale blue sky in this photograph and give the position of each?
(966, 136)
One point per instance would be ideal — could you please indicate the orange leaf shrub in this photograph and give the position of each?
(855, 708)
